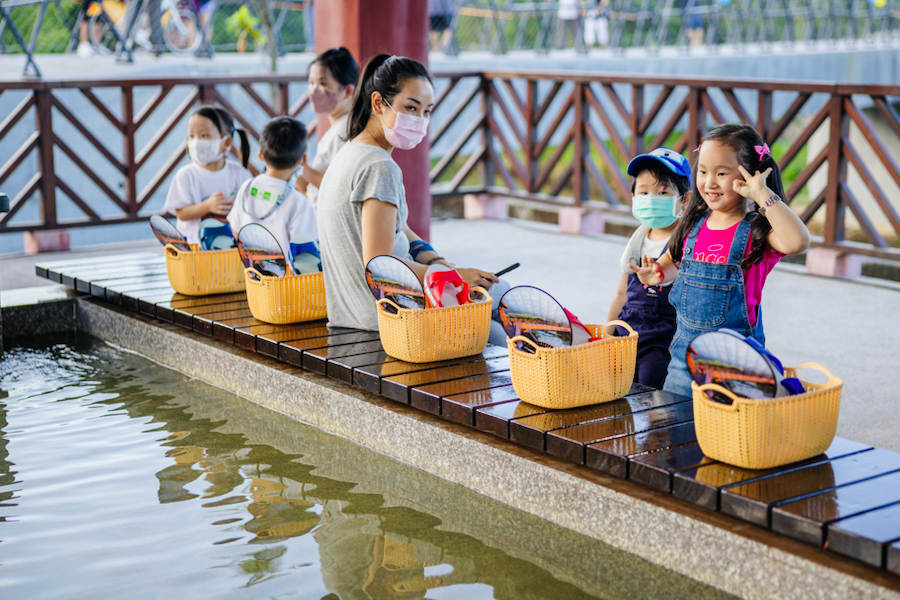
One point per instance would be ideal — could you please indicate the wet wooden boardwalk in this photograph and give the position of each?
(846, 500)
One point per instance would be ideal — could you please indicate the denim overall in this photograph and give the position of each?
(648, 311)
(708, 297)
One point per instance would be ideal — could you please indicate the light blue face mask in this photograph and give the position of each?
(655, 211)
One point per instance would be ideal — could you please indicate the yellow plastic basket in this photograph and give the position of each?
(434, 334)
(290, 299)
(760, 434)
(204, 272)
(590, 373)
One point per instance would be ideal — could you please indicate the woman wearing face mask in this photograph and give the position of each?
(661, 179)
(362, 203)
(209, 183)
(332, 81)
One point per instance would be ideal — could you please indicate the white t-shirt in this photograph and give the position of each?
(295, 216)
(193, 184)
(328, 145)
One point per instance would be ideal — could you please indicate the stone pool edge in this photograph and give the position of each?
(708, 547)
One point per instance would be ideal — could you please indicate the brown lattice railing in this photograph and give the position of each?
(551, 138)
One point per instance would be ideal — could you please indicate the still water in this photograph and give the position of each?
(123, 479)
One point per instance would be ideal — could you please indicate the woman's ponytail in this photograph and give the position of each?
(386, 75)
(361, 109)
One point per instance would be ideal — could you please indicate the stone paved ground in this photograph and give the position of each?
(846, 326)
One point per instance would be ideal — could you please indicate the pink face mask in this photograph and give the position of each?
(408, 130)
(323, 102)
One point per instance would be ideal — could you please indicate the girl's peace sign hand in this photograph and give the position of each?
(753, 187)
(650, 272)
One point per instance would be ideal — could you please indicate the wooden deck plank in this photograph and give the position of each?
(806, 519)
(292, 351)
(703, 484)
(866, 537)
(460, 408)
(495, 419)
(370, 377)
(317, 359)
(267, 343)
(531, 431)
(204, 323)
(398, 387)
(754, 501)
(570, 443)
(613, 456)
(428, 397)
(656, 469)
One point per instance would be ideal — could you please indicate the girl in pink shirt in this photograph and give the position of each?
(722, 251)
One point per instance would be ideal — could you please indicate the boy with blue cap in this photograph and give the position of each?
(661, 178)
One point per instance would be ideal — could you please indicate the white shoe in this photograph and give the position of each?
(85, 50)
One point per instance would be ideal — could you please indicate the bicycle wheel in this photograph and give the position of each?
(182, 35)
(101, 35)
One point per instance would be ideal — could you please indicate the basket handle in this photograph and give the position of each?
(718, 388)
(613, 324)
(387, 313)
(254, 280)
(811, 365)
(172, 252)
(483, 292)
(525, 340)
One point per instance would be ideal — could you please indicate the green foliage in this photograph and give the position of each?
(245, 21)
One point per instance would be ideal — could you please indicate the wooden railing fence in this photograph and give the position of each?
(559, 139)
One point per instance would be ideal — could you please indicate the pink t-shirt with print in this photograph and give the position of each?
(713, 246)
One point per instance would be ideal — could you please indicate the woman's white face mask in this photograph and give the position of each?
(204, 152)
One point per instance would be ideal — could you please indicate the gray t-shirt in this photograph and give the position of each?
(357, 173)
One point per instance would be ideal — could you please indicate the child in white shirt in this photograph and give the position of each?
(209, 183)
(270, 199)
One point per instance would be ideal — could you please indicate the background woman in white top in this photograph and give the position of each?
(332, 81)
(362, 203)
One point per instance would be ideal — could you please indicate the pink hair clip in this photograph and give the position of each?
(697, 149)
(762, 151)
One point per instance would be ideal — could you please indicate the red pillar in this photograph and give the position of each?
(369, 27)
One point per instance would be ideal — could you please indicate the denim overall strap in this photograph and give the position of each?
(708, 297)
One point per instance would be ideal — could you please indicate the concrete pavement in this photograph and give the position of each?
(846, 326)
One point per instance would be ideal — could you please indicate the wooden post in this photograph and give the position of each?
(837, 172)
(284, 103)
(764, 114)
(366, 28)
(488, 172)
(44, 124)
(579, 181)
(696, 119)
(207, 94)
(531, 134)
(128, 150)
(637, 115)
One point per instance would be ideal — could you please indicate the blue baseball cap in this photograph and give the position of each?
(674, 161)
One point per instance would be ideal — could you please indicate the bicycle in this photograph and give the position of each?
(109, 21)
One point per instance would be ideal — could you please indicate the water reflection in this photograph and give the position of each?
(249, 500)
